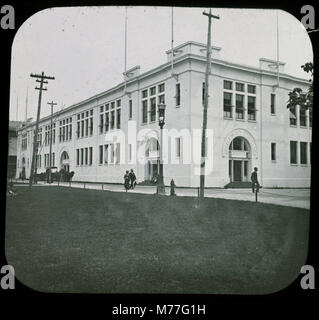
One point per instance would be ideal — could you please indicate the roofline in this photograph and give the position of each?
(165, 65)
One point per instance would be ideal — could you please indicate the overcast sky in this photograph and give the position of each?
(83, 47)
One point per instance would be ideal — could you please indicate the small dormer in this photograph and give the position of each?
(192, 47)
(131, 73)
(271, 65)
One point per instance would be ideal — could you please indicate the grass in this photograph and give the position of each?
(71, 240)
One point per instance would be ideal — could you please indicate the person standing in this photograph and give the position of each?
(132, 179)
(254, 180)
(127, 180)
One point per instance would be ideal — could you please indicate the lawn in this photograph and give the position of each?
(62, 239)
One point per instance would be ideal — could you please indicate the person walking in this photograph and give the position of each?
(127, 180)
(132, 179)
(254, 180)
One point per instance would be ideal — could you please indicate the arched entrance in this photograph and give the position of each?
(152, 157)
(65, 161)
(239, 159)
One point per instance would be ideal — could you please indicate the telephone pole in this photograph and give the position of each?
(208, 70)
(51, 128)
(41, 78)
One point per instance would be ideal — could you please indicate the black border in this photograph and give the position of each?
(26, 300)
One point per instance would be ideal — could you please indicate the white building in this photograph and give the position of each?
(247, 116)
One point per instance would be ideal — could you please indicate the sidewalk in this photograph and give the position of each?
(286, 197)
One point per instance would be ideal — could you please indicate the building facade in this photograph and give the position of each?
(248, 126)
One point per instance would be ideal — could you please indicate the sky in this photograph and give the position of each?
(83, 47)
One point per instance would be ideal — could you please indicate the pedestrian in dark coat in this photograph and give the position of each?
(132, 179)
(127, 180)
(254, 180)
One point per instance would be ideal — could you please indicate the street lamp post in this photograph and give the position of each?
(161, 122)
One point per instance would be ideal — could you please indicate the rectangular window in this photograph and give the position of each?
(118, 103)
(293, 116)
(240, 87)
(112, 105)
(118, 153)
(82, 128)
(118, 118)
(293, 152)
(153, 109)
(130, 152)
(303, 153)
(251, 108)
(272, 103)
(251, 89)
(228, 85)
(178, 94)
(86, 156)
(144, 94)
(86, 127)
(227, 105)
(273, 151)
(161, 99)
(112, 153)
(82, 156)
(302, 116)
(310, 117)
(112, 119)
(106, 153)
(77, 157)
(130, 112)
(101, 123)
(78, 130)
(178, 147)
(239, 106)
(161, 87)
(107, 122)
(90, 156)
(144, 111)
(153, 91)
(101, 154)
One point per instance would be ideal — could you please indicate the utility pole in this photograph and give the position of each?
(208, 70)
(51, 128)
(41, 78)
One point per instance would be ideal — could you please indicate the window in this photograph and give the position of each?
(273, 151)
(107, 122)
(153, 109)
(118, 118)
(85, 124)
(227, 105)
(178, 94)
(144, 94)
(272, 103)
(310, 117)
(239, 106)
(77, 157)
(161, 99)
(240, 87)
(302, 116)
(118, 103)
(303, 153)
(82, 156)
(86, 156)
(144, 111)
(118, 153)
(178, 147)
(101, 154)
(153, 91)
(90, 156)
(251, 108)
(228, 85)
(130, 112)
(161, 87)
(293, 152)
(101, 123)
(293, 116)
(106, 153)
(251, 89)
(112, 153)
(112, 119)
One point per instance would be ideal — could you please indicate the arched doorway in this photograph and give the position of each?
(152, 157)
(65, 161)
(239, 160)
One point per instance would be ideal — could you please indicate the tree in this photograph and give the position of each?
(299, 97)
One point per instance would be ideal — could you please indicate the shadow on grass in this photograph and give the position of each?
(74, 240)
